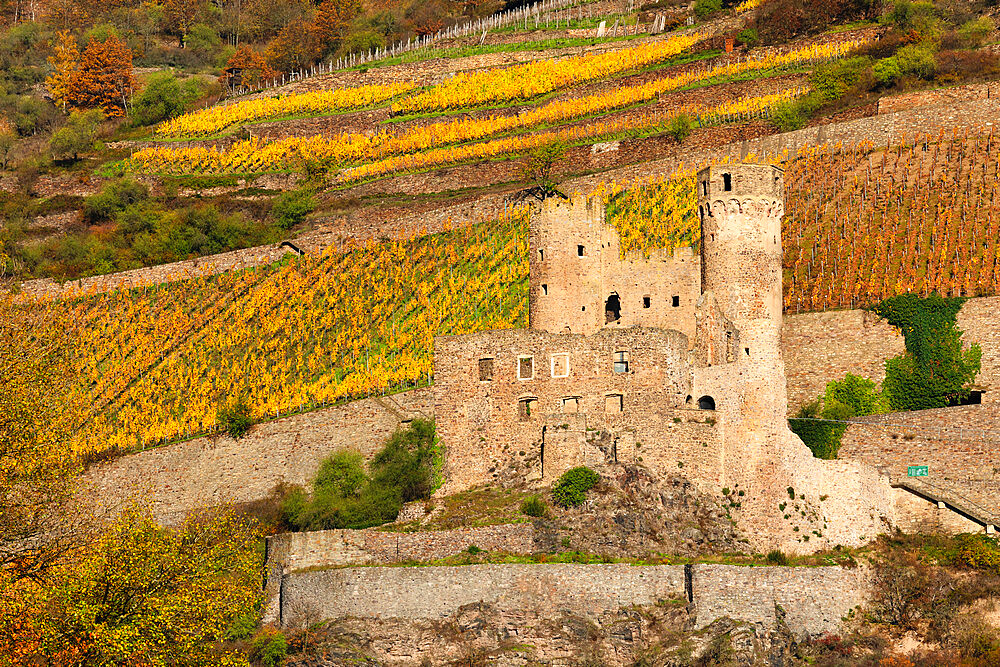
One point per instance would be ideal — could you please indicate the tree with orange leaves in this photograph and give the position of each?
(255, 67)
(104, 78)
(333, 18)
(181, 15)
(65, 65)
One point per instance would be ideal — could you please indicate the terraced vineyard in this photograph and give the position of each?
(862, 224)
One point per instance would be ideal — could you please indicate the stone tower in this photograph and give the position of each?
(565, 256)
(740, 207)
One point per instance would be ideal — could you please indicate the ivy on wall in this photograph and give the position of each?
(935, 371)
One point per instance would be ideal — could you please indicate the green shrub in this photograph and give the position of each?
(235, 420)
(858, 394)
(703, 8)
(832, 80)
(974, 32)
(788, 116)
(679, 127)
(934, 371)
(916, 60)
(777, 557)
(473, 549)
(345, 496)
(113, 197)
(291, 208)
(571, 489)
(77, 136)
(886, 71)
(978, 552)
(160, 100)
(747, 36)
(534, 506)
(269, 647)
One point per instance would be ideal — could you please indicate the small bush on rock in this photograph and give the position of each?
(269, 648)
(533, 506)
(235, 420)
(571, 489)
(777, 557)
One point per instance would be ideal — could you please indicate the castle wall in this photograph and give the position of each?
(576, 264)
(210, 471)
(486, 424)
(289, 552)
(960, 446)
(814, 599)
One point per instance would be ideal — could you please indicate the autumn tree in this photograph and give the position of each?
(294, 47)
(333, 21)
(104, 78)
(255, 67)
(65, 63)
(172, 596)
(180, 16)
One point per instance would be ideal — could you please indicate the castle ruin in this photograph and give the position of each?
(663, 361)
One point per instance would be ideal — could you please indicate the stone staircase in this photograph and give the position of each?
(951, 499)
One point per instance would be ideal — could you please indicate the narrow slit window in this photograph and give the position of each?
(727, 182)
(545, 289)
(646, 302)
(621, 362)
(541, 255)
(486, 370)
(579, 251)
(525, 368)
(675, 301)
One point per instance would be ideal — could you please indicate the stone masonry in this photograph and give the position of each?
(813, 600)
(585, 388)
(290, 552)
(213, 470)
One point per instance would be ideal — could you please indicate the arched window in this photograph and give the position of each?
(612, 309)
(706, 403)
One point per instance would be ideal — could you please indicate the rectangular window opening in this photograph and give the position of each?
(613, 403)
(525, 368)
(621, 362)
(727, 182)
(579, 251)
(560, 365)
(545, 290)
(569, 405)
(541, 255)
(486, 370)
(646, 302)
(525, 408)
(675, 301)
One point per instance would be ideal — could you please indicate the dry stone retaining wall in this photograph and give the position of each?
(214, 470)
(289, 552)
(812, 600)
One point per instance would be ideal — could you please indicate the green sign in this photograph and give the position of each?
(917, 471)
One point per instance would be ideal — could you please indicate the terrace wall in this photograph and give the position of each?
(210, 471)
(814, 599)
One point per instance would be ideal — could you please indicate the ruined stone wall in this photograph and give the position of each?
(210, 471)
(571, 382)
(576, 266)
(915, 514)
(821, 347)
(289, 552)
(814, 599)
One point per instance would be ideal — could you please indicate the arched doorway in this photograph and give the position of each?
(706, 403)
